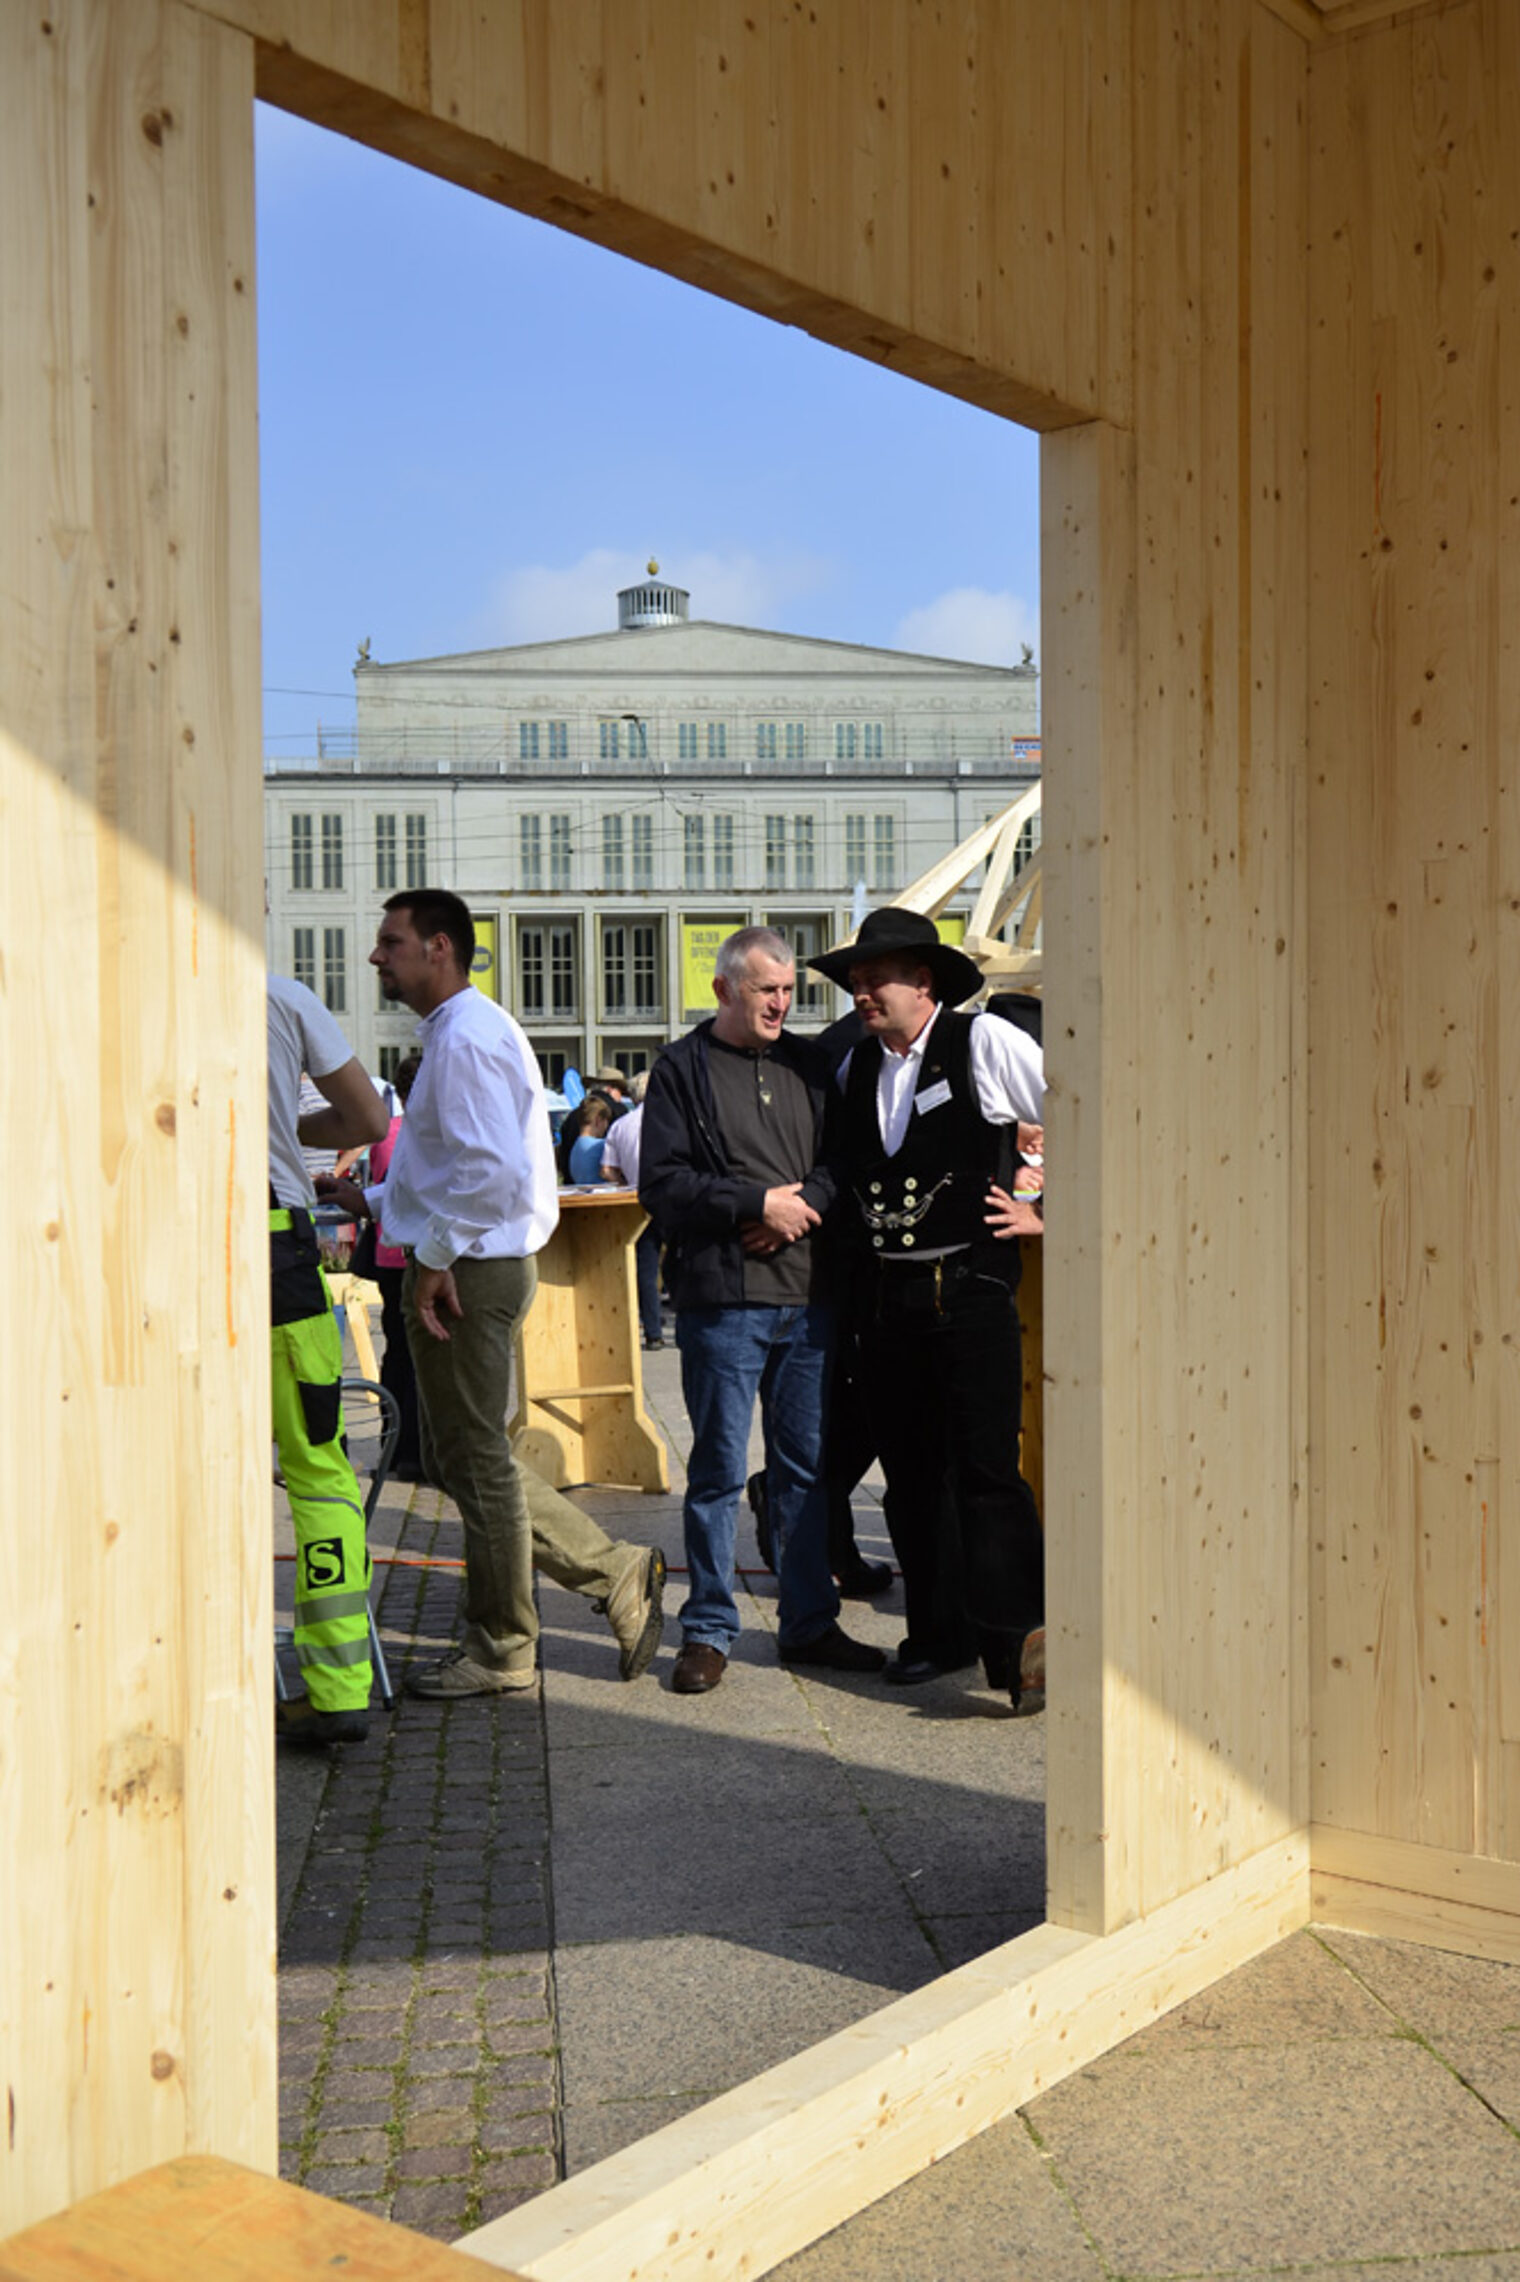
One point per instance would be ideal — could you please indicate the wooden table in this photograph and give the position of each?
(581, 1414)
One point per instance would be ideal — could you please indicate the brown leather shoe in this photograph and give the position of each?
(1029, 1695)
(699, 1667)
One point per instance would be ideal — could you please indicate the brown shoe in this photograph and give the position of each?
(1029, 1695)
(699, 1667)
(636, 1612)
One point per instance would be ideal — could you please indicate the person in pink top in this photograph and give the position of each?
(396, 1371)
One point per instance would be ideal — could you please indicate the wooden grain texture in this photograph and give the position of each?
(201, 2219)
(135, 1786)
(1407, 1892)
(1415, 305)
(732, 2189)
(851, 169)
(581, 1415)
(1174, 729)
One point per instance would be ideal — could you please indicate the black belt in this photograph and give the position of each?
(918, 1287)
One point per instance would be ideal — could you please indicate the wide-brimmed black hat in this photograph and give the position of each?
(956, 978)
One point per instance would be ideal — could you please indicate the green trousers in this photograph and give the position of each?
(332, 1557)
(514, 1522)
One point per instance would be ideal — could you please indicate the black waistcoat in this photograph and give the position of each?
(932, 1194)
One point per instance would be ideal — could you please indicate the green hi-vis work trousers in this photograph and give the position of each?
(332, 1558)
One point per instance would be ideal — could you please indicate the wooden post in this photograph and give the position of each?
(136, 1820)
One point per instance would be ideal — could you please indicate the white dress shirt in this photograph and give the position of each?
(1007, 1071)
(473, 1173)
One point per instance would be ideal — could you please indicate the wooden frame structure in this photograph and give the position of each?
(1252, 267)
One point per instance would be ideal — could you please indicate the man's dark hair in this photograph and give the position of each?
(438, 911)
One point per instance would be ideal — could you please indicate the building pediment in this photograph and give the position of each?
(699, 646)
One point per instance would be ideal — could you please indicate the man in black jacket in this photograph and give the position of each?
(731, 1170)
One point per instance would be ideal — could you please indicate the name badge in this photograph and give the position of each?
(933, 1097)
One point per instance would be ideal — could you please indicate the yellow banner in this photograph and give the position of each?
(700, 942)
(952, 930)
(483, 967)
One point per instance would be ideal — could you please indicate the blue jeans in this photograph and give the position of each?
(728, 1356)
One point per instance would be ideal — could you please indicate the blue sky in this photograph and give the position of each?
(474, 429)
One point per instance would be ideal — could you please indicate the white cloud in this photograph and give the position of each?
(970, 624)
(543, 603)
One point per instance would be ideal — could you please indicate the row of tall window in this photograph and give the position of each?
(625, 736)
(330, 982)
(547, 967)
(708, 843)
(545, 851)
(401, 852)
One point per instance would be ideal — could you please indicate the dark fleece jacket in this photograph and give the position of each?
(687, 1184)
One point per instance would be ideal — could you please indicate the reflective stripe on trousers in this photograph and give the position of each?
(332, 1558)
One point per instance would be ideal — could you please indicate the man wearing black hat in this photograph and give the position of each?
(933, 1106)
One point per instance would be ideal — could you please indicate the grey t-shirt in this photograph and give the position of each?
(765, 1115)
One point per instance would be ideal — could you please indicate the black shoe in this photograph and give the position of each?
(299, 1722)
(835, 1651)
(912, 1671)
(407, 1470)
(759, 1506)
(912, 1665)
(652, 1343)
(862, 1580)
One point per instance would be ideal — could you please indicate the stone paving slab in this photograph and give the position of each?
(1434, 1992)
(714, 2010)
(988, 2211)
(1200, 2161)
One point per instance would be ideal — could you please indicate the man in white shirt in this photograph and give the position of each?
(471, 1194)
(306, 1363)
(936, 1108)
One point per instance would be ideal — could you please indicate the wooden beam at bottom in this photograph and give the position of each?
(1406, 1892)
(200, 2219)
(755, 2176)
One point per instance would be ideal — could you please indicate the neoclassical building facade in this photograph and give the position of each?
(612, 805)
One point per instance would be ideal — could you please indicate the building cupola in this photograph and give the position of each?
(654, 603)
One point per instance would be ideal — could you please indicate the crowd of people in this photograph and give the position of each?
(834, 1219)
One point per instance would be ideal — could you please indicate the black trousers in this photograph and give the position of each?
(942, 1367)
(396, 1370)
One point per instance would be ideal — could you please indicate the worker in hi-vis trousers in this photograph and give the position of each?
(306, 1369)
(326, 1508)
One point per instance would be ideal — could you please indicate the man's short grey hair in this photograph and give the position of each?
(734, 955)
(638, 1085)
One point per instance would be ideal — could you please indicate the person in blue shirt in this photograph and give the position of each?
(585, 1160)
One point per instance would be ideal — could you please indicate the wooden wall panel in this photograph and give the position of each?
(866, 172)
(135, 1792)
(1202, 1720)
(1412, 882)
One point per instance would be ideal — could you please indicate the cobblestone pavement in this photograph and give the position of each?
(418, 2068)
(468, 2015)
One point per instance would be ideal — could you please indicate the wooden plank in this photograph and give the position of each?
(211, 672)
(200, 2219)
(744, 2182)
(1415, 294)
(135, 1778)
(1406, 1892)
(1094, 1586)
(809, 179)
(581, 1415)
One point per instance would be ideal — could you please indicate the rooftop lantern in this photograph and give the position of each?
(655, 603)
